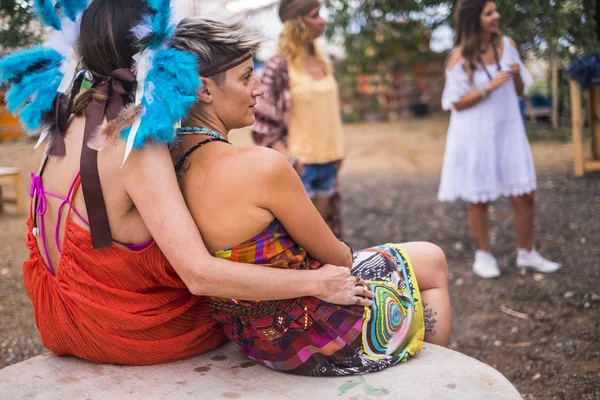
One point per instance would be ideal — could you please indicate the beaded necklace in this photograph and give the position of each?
(194, 130)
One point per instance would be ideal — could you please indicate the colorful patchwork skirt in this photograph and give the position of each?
(320, 339)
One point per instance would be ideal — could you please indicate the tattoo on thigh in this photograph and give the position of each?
(430, 321)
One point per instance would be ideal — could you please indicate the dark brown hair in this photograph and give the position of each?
(468, 32)
(106, 42)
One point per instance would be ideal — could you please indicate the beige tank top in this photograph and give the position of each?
(315, 124)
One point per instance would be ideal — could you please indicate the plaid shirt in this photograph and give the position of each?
(272, 109)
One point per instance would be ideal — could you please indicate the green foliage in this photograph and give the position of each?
(15, 20)
(565, 28)
(380, 29)
(541, 87)
(375, 31)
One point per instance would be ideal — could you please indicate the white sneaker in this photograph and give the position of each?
(485, 265)
(533, 261)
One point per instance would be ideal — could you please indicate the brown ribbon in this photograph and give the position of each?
(113, 93)
(292, 9)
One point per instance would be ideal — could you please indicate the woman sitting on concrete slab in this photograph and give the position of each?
(117, 276)
(250, 206)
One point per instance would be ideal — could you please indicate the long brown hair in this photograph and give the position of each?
(293, 44)
(468, 32)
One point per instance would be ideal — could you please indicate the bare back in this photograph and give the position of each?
(222, 191)
(59, 174)
(234, 193)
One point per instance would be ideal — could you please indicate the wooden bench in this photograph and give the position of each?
(533, 113)
(435, 373)
(12, 176)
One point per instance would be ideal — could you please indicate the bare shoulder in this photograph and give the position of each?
(454, 57)
(261, 162)
(511, 42)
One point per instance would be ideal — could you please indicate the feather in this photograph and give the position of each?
(154, 29)
(65, 40)
(72, 8)
(23, 91)
(110, 131)
(170, 90)
(31, 115)
(15, 65)
(47, 12)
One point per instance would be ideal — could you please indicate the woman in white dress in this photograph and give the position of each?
(487, 151)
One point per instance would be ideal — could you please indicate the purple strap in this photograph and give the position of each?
(37, 190)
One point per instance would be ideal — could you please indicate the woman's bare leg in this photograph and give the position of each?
(478, 225)
(322, 205)
(523, 206)
(431, 270)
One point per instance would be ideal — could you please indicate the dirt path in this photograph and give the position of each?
(390, 181)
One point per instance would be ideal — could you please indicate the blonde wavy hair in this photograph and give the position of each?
(295, 42)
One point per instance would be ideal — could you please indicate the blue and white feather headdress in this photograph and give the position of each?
(53, 63)
(167, 79)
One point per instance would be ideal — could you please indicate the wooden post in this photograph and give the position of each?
(595, 120)
(555, 92)
(577, 123)
(19, 194)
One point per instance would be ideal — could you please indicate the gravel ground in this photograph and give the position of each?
(549, 350)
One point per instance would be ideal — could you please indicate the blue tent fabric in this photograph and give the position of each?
(586, 70)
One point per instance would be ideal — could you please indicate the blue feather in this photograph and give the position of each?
(46, 10)
(15, 65)
(72, 8)
(31, 115)
(32, 91)
(20, 92)
(170, 90)
(159, 21)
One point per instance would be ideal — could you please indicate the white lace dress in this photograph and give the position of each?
(487, 151)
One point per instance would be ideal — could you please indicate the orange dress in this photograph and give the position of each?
(116, 305)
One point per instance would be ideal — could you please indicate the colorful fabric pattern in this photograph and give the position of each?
(320, 339)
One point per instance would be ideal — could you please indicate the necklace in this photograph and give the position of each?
(194, 130)
(489, 75)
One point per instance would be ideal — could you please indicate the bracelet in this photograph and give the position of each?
(485, 93)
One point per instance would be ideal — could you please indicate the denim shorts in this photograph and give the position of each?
(319, 180)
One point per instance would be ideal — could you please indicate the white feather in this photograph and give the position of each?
(143, 63)
(65, 42)
(43, 135)
(142, 30)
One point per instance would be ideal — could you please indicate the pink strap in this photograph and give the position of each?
(36, 190)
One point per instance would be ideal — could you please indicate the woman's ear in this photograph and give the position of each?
(204, 93)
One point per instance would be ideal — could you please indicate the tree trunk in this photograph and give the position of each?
(555, 98)
(598, 19)
(595, 120)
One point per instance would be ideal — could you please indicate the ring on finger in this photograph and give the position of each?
(357, 302)
(364, 289)
(357, 279)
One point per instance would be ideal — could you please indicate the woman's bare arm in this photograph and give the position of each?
(516, 69)
(475, 96)
(150, 181)
(286, 198)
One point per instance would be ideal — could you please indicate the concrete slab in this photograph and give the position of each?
(436, 373)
